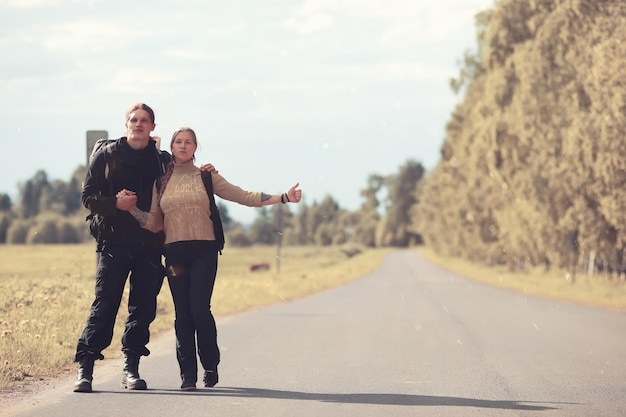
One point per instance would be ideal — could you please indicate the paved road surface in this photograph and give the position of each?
(411, 339)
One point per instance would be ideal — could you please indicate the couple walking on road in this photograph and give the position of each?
(152, 203)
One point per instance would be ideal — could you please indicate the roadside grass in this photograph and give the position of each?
(46, 292)
(597, 291)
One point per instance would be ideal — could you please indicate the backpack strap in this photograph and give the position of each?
(162, 158)
(215, 213)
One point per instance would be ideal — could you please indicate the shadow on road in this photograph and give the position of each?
(376, 399)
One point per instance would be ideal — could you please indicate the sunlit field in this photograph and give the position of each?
(46, 293)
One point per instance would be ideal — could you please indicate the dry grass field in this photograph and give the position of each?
(46, 292)
(598, 291)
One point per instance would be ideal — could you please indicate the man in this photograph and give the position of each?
(132, 162)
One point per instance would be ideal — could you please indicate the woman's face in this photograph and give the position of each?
(183, 147)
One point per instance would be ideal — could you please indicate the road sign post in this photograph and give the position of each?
(92, 137)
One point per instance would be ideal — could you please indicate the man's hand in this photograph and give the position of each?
(126, 200)
(209, 167)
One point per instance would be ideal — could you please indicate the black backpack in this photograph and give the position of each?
(215, 212)
(95, 221)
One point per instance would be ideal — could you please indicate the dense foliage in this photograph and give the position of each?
(532, 168)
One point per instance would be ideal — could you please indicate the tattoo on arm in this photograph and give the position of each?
(265, 197)
(141, 216)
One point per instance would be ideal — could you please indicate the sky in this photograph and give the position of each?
(320, 92)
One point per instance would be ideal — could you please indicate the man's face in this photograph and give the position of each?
(139, 126)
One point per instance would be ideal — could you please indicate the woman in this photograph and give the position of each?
(181, 208)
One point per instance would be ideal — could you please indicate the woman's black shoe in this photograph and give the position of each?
(188, 386)
(210, 379)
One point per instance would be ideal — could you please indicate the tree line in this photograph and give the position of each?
(50, 212)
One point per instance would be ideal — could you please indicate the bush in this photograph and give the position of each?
(351, 250)
(5, 223)
(18, 231)
(45, 232)
(69, 234)
(238, 238)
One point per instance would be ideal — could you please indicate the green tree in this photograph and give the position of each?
(33, 191)
(402, 196)
(363, 223)
(237, 237)
(532, 154)
(301, 233)
(324, 219)
(227, 221)
(68, 233)
(262, 230)
(18, 231)
(44, 232)
(5, 202)
(5, 223)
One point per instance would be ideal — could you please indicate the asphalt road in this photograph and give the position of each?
(411, 339)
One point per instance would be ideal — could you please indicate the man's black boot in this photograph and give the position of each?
(130, 377)
(85, 376)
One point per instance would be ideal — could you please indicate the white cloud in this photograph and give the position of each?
(39, 4)
(27, 4)
(403, 21)
(189, 54)
(88, 36)
(19, 84)
(139, 80)
(227, 30)
(309, 23)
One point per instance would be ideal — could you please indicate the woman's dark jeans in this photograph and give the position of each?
(191, 268)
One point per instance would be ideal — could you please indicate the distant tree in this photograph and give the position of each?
(70, 197)
(33, 191)
(325, 212)
(68, 233)
(262, 231)
(324, 219)
(5, 202)
(44, 232)
(364, 230)
(402, 196)
(301, 233)
(324, 234)
(237, 237)
(5, 223)
(375, 183)
(363, 223)
(227, 221)
(281, 217)
(18, 231)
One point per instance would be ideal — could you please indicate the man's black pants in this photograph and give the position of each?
(115, 263)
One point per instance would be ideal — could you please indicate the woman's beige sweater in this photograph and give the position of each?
(184, 211)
